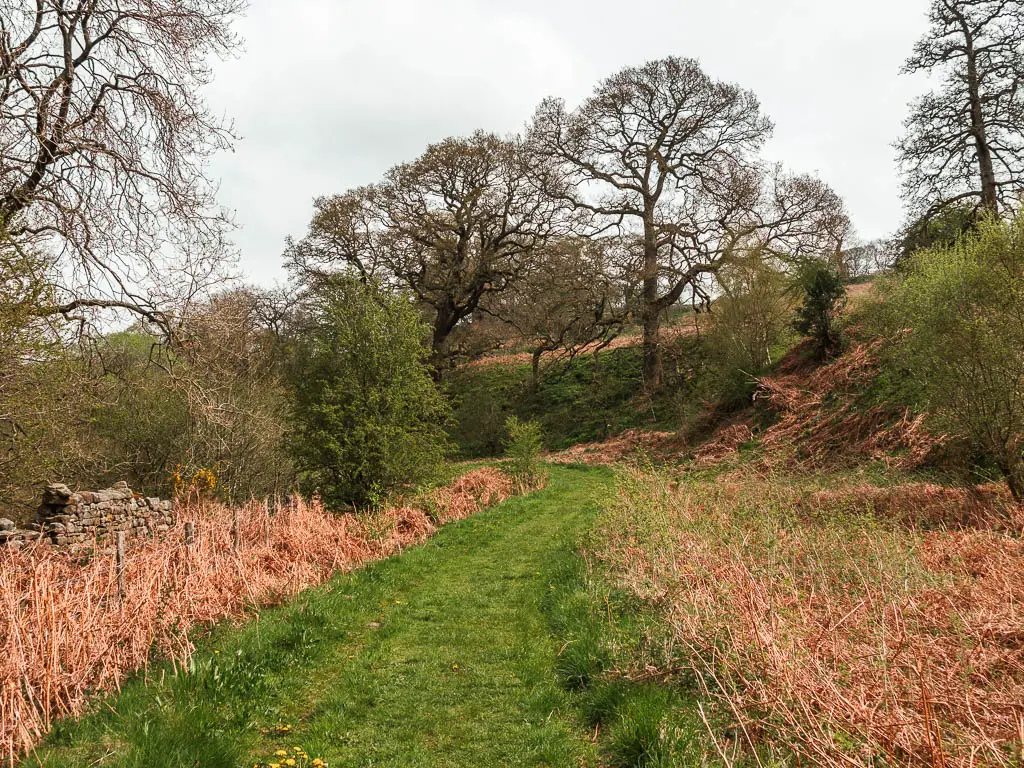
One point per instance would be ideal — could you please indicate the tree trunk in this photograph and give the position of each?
(443, 325)
(651, 311)
(652, 348)
(1015, 479)
(535, 369)
(989, 189)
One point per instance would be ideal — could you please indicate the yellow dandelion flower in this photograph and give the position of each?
(281, 753)
(290, 761)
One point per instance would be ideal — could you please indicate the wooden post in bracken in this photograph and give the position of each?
(236, 532)
(120, 567)
(190, 533)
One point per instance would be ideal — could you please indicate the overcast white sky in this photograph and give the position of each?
(328, 94)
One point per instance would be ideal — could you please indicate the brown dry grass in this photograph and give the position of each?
(65, 635)
(819, 421)
(625, 446)
(822, 423)
(829, 626)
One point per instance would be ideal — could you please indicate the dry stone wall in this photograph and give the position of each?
(69, 518)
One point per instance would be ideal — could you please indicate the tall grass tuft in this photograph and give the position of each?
(523, 448)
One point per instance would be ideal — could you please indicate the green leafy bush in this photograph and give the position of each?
(523, 447)
(367, 416)
(958, 315)
(823, 298)
(751, 329)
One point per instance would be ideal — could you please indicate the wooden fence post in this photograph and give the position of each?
(120, 567)
(190, 533)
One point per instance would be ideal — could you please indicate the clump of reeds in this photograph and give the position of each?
(828, 627)
(69, 627)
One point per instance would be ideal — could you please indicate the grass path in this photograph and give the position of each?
(438, 657)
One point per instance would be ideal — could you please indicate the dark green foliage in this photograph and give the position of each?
(367, 416)
(482, 398)
(584, 654)
(602, 701)
(646, 734)
(824, 295)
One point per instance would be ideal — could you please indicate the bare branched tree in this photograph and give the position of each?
(666, 154)
(105, 138)
(871, 258)
(965, 140)
(458, 224)
(570, 300)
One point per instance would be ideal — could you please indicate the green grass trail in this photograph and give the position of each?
(438, 657)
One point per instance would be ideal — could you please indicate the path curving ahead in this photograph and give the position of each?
(438, 657)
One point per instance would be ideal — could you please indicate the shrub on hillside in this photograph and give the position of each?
(959, 313)
(823, 298)
(367, 416)
(752, 319)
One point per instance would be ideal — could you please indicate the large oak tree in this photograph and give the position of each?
(458, 224)
(668, 155)
(965, 140)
